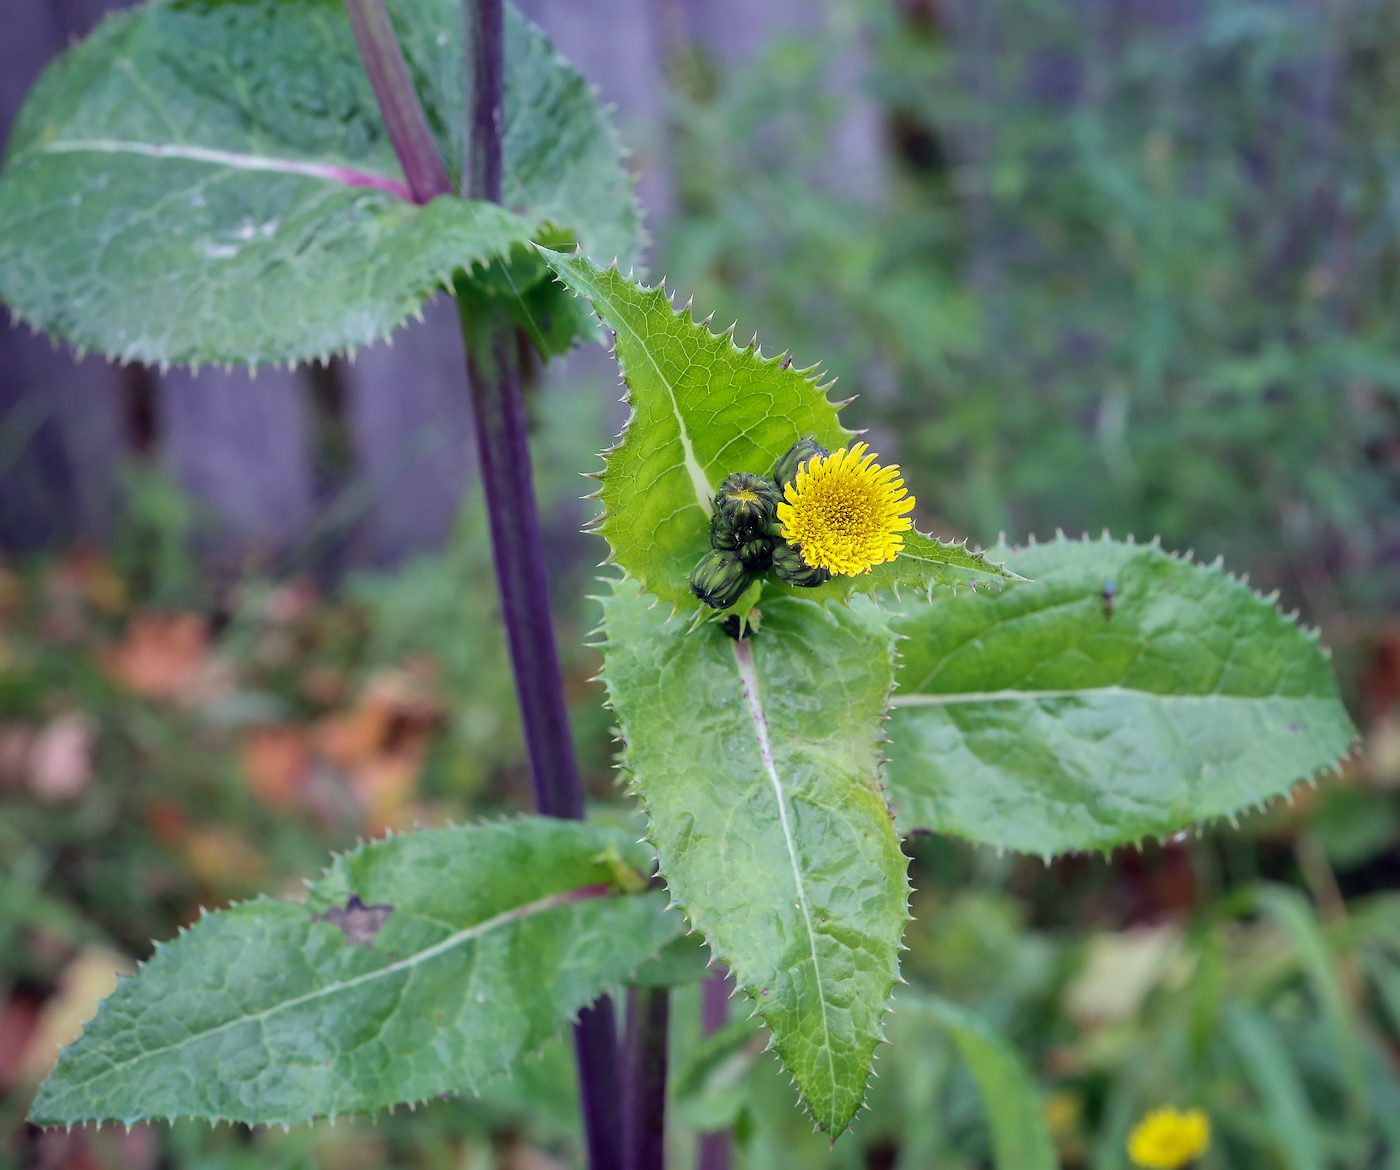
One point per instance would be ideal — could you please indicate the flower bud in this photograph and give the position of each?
(801, 451)
(722, 534)
(747, 503)
(793, 570)
(719, 580)
(757, 554)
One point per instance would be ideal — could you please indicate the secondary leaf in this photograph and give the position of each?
(428, 963)
(209, 181)
(1020, 1138)
(1048, 718)
(757, 764)
(703, 407)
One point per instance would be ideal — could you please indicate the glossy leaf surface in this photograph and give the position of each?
(1067, 714)
(427, 963)
(210, 181)
(757, 764)
(703, 407)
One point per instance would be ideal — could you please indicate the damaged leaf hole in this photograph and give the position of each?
(359, 922)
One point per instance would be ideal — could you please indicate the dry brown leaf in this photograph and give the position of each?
(161, 654)
(1120, 970)
(19, 1018)
(221, 860)
(394, 707)
(89, 977)
(275, 761)
(385, 787)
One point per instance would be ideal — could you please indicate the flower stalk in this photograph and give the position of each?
(716, 1149)
(498, 405)
(644, 1077)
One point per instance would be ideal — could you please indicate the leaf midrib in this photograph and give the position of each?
(465, 935)
(699, 481)
(748, 676)
(234, 159)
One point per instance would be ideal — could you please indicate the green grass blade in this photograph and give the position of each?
(1270, 1071)
(1020, 1137)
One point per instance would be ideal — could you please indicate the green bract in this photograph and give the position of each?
(428, 963)
(757, 761)
(1051, 718)
(703, 408)
(212, 182)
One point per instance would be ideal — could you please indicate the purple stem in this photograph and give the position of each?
(498, 403)
(398, 100)
(493, 371)
(716, 1149)
(644, 1077)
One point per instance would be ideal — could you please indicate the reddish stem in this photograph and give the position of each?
(398, 100)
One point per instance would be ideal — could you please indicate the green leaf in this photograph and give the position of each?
(758, 767)
(925, 563)
(1020, 1138)
(703, 407)
(1292, 911)
(423, 964)
(1045, 719)
(686, 960)
(1271, 1071)
(206, 181)
(711, 1089)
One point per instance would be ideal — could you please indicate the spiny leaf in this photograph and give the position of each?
(211, 182)
(925, 563)
(758, 767)
(427, 963)
(1053, 718)
(703, 407)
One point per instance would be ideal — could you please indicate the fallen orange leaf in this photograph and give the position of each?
(275, 760)
(160, 655)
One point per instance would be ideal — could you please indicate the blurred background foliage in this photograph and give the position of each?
(1125, 265)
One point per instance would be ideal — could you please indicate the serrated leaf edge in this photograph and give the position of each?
(359, 847)
(1198, 828)
(631, 785)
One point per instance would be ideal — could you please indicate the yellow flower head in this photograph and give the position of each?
(1169, 1138)
(846, 512)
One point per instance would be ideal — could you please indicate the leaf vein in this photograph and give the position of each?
(748, 675)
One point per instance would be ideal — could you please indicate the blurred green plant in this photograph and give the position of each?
(1129, 267)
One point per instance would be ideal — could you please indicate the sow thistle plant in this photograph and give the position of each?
(864, 680)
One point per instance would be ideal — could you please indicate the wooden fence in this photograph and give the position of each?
(247, 449)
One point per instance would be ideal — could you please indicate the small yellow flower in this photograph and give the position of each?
(846, 512)
(1169, 1138)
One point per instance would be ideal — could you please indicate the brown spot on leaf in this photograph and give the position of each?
(359, 922)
